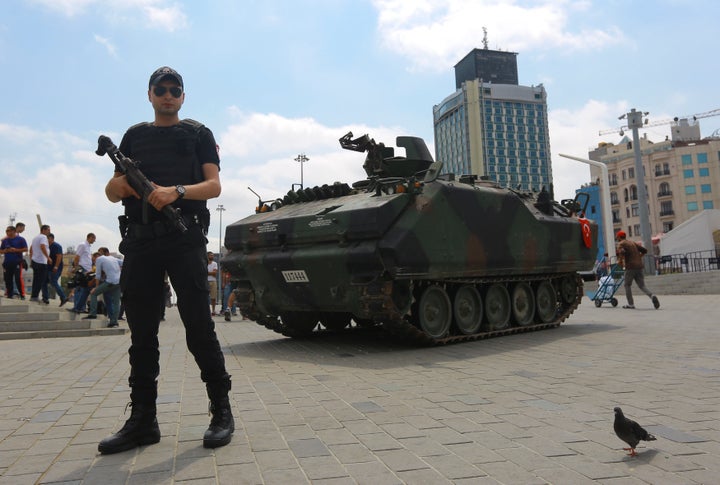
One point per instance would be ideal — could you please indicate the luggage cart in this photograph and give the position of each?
(608, 285)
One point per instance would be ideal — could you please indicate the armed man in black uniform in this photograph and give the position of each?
(181, 159)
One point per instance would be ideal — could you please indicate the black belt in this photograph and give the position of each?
(158, 228)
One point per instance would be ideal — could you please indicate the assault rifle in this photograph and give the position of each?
(137, 180)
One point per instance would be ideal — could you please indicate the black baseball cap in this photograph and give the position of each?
(162, 74)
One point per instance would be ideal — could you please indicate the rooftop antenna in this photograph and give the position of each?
(485, 39)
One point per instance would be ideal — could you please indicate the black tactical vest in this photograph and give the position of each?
(168, 156)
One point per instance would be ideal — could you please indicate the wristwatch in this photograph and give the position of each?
(180, 189)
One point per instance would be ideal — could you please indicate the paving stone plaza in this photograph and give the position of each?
(363, 408)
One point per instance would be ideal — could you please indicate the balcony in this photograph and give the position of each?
(662, 173)
(664, 193)
(667, 213)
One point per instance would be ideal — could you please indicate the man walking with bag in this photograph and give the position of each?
(630, 256)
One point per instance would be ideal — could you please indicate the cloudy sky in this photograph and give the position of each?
(276, 78)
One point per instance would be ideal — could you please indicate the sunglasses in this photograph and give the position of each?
(161, 90)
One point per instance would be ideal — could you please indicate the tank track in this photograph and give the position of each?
(406, 331)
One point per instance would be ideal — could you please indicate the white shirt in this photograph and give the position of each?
(110, 266)
(212, 267)
(84, 251)
(36, 249)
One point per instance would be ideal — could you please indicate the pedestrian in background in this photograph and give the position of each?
(83, 261)
(55, 268)
(19, 281)
(212, 273)
(107, 283)
(39, 259)
(13, 246)
(630, 256)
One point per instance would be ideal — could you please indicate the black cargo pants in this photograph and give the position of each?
(184, 258)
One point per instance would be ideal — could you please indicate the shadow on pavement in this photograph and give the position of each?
(361, 344)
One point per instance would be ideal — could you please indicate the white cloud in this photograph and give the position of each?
(105, 42)
(569, 134)
(68, 8)
(170, 18)
(436, 33)
(157, 14)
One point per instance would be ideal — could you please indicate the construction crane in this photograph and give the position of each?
(695, 117)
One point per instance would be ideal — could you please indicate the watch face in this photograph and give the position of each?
(180, 190)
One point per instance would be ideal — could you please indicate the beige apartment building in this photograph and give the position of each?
(682, 176)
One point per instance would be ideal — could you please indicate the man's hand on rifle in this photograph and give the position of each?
(162, 196)
(118, 188)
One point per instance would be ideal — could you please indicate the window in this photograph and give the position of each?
(688, 174)
(704, 172)
(686, 159)
(667, 226)
(624, 175)
(635, 210)
(707, 204)
(631, 173)
(692, 206)
(636, 229)
(702, 158)
(614, 198)
(706, 188)
(690, 190)
(633, 192)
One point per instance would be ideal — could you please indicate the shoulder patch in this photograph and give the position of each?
(196, 125)
(142, 124)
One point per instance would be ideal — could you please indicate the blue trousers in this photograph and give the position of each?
(80, 299)
(111, 296)
(54, 277)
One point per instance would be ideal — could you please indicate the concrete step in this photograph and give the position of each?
(23, 319)
(30, 317)
(699, 283)
(34, 325)
(88, 332)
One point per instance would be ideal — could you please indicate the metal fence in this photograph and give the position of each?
(689, 262)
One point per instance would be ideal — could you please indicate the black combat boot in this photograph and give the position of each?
(222, 424)
(141, 429)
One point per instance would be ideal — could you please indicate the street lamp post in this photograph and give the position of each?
(220, 209)
(634, 122)
(301, 159)
(606, 211)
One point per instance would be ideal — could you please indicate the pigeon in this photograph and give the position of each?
(629, 431)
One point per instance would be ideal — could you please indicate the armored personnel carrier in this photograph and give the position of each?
(431, 257)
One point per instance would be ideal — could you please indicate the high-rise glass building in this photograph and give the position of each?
(491, 126)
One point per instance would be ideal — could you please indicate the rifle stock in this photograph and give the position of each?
(137, 179)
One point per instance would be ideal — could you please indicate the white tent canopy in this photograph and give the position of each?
(695, 234)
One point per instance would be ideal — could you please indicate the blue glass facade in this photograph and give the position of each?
(510, 127)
